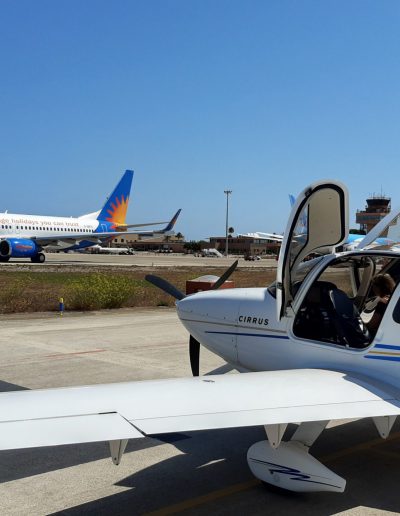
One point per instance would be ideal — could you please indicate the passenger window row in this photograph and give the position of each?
(36, 228)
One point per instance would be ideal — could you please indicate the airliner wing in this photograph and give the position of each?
(143, 225)
(136, 409)
(264, 236)
(74, 239)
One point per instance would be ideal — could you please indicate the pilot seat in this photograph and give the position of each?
(328, 314)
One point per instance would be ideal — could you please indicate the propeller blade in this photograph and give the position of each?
(225, 276)
(165, 286)
(194, 354)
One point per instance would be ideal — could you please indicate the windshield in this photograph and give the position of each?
(394, 230)
(300, 274)
(385, 235)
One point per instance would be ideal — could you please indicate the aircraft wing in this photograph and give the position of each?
(136, 409)
(143, 225)
(96, 238)
(264, 236)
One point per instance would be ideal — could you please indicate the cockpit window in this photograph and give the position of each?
(302, 272)
(338, 306)
(342, 278)
(300, 236)
(304, 269)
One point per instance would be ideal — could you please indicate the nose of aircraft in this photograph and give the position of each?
(211, 319)
(191, 310)
(214, 307)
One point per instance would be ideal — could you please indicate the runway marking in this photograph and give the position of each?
(74, 353)
(244, 486)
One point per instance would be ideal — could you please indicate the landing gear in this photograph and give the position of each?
(291, 467)
(38, 258)
(4, 258)
(288, 465)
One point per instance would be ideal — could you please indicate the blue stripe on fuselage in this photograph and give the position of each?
(386, 346)
(249, 334)
(382, 357)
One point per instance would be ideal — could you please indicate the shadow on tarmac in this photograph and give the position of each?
(214, 460)
(9, 387)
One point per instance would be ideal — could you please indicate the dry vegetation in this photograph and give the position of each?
(39, 291)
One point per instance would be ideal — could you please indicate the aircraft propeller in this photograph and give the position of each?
(194, 345)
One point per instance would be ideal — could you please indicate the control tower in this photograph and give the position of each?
(377, 207)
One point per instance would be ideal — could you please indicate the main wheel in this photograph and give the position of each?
(4, 258)
(38, 258)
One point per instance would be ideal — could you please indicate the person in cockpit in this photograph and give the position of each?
(382, 286)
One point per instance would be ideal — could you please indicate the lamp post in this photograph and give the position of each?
(227, 193)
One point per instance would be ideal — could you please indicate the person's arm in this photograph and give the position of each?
(375, 320)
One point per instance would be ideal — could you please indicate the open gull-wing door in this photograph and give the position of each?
(318, 222)
(385, 234)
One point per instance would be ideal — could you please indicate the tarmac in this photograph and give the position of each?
(142, 259)
(195, 473)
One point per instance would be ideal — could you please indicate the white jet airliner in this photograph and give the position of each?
(26, 236)
(303, 344)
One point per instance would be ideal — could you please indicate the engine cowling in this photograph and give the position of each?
(18, 248)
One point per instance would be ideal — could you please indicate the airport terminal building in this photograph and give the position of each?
(246, 245)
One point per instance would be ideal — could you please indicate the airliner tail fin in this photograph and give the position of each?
(116, 206)
(172, 222)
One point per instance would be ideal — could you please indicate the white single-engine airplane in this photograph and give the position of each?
(303, 342)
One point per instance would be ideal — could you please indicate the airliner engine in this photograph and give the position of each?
(18, 248)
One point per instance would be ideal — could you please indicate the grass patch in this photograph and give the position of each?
(97, 291)
(40, 291)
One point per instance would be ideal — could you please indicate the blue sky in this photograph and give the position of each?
(261, 97)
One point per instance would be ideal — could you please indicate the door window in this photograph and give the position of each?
(330, 311)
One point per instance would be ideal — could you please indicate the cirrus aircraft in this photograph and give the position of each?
(302, 345)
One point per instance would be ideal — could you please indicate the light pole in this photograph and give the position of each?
(227, 193)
